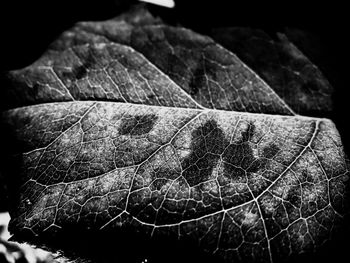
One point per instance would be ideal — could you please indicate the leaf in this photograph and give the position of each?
(283, 66)
(203, 71)
(136, 125)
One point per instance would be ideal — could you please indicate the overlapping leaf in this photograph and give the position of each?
(283, 66)
(131, 122)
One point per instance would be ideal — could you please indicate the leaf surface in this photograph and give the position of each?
(283, 66)
(133, 123)
(194, 65)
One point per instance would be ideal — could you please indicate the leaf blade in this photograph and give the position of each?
(164, 177)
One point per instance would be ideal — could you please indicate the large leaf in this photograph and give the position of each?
(133, 124)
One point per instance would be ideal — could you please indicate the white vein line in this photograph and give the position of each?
(259, 78)
(324, 172)
(265, 231)
(59, 80)
(115, 84)
(63, 132)
(263, 224)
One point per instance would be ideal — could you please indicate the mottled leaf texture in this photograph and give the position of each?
(134, 124)
(282, 65)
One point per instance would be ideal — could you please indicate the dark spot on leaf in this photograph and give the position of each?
(80, 71)
(270, 151)
(137, 125)
(239, 160)
(240, 155)
(208, 142)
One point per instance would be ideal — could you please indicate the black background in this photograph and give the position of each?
(28, 27)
